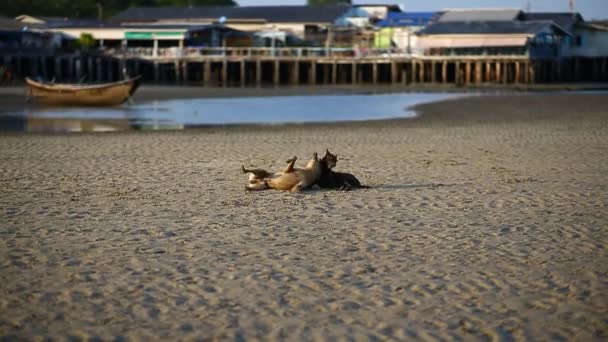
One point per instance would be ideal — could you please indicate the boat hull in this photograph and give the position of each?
(108, 94)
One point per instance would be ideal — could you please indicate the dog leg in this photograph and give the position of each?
(297, 188)
(289, 167)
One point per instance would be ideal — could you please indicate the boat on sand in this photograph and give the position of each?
(106, 94)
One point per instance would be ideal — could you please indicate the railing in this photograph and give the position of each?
(294, 52)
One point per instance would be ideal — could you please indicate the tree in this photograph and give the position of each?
(328, 2)
(88, 8)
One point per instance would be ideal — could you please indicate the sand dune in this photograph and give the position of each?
(486, 220)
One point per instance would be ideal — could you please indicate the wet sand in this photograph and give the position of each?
(13, 97)
(486, 219)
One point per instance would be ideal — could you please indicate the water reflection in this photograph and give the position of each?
(179, 114)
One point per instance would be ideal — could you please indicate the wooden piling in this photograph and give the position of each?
(224, 72)
(258, 72)
(78, 67)
(334, 72)
(176, 68)
(374, 73)
(413, 64)
(531, 73)
(444, 72)
(394, 73)
(478, 74)
(295, 73)
(100, 70)
(353, 73)
(207, 73)
(90, 70)
(243, 77)
(276, 79)
(498, 72)
(312, 73)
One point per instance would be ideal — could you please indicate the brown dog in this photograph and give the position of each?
(290, 179)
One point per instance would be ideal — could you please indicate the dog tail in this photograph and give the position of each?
(364, 187)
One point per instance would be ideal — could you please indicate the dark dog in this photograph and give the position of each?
(336, 180)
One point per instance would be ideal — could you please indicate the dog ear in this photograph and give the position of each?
(327, 151)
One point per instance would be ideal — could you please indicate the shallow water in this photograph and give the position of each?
(179, 114)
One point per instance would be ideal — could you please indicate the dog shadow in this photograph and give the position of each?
(412, 186)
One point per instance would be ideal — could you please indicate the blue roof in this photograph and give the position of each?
(407, 19)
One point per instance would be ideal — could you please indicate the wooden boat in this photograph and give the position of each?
(106, 94)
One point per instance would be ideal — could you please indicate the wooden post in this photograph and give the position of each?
(505, 69)
(531, 74)
(467, 76)
(58, 66)
(70, 70)
(224, 72)
(312, 73)
(457, 78)
(90, 70)
(185, 73)
(403, 76)
(276, 76)
(353, 73)
(110, 70)
(421, 72)
(375, 73)
(414, 63)
(334, 72)
(487, 73)
(433, 72)
(497, 72)
(207, 72)
(444, 72)
(517, 75)
(296, 72)
(243, 75)
(258, 72)
(394, 73)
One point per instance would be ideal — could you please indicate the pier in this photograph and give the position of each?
(299, 66)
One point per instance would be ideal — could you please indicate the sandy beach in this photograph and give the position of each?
(486, 220)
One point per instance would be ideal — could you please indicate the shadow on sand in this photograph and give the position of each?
(411, 186)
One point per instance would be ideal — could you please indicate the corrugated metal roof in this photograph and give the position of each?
(395, 19)
(458, 15)
(564, 20)
(327, 13)
(489, 27)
